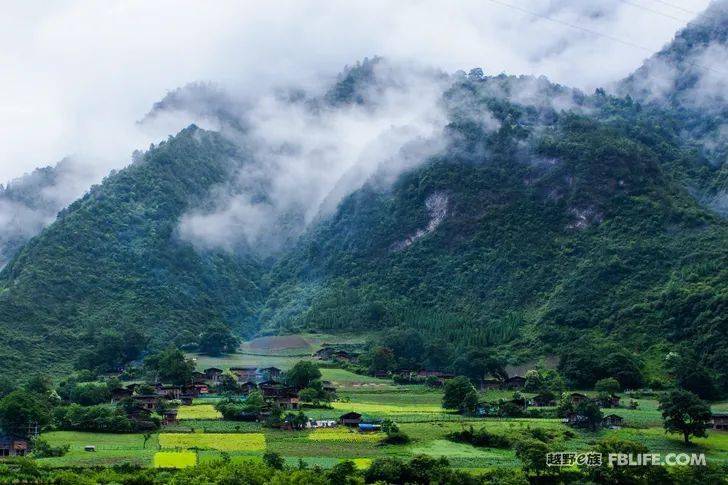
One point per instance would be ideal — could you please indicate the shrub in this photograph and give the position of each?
(42, 449)
(480, 438)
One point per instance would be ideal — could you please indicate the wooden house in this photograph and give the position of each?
(13, 446)
(213, 374)
(350, 419)
(719, 421)
(270, 373)
(169, 392)
(119, 394)
(515, 382)
(612, 421)
(490, 383)
(611, 401)
(147, 402)
(576, 398)
(324, 353)
(543, 399)
(248, 387)
(287, 402)
(245, 373)
(328, 386)
(198, 377)
(169, 417)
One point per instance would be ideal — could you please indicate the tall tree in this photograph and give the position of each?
(684, 412)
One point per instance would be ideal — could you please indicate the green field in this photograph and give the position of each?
(111, 449)
(175, 459)
(200, 411)
(213, 441)
(203, 436)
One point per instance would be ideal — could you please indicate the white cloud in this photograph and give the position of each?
(78, 73)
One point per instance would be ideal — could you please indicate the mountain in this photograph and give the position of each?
(31, 202)
(689, 80)
(538, 220)
(557, 227)
(112, 259)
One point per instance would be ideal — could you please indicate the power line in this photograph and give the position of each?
(691, 12)
(656, 12)
(598, 34)
(573, 26)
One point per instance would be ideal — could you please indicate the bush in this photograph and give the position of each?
(42, 449)
(396, 438)
(480, 438)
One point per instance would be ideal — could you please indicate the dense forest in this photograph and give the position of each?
(552, 220)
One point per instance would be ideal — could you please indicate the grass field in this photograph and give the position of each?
(204, 436)
(111, 449)
(175, 459)
(343, 435)
(200, 411)
(213, 441)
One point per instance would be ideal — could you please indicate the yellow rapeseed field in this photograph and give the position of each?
(175, 459)
(214, 441)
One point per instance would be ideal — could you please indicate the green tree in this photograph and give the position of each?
(273, 460)
(460, 394)
(381, 359)
(170, 365)
(228, 383)
(685, 413)
(532, 454)
(218, 339)
(21, 409)
(610, 385)
(302, 374)
(635, 474)
(590, 413)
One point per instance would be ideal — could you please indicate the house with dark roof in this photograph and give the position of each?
(213, 374)
(350, 419)
(612, 421)
(515, 382)
(270, 372)
(719, 421)
(13, 446)
(576, 398)
(245, 373)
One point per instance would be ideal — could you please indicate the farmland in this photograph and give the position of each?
(202, 436)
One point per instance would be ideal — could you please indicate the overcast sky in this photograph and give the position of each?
(76, 74)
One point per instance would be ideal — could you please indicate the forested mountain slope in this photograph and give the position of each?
(112, 261)
(547, 219)
(556, 227)
(689, 79)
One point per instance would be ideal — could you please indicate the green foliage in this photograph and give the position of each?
(41, 449)
(114, 256)
(302, 374)
(685, 413)
(273, 460)
(481, 438)
(610, 385)
(590, 414)
(606, 473)
(93, 418)
(170, 365)
(460, 394)
(21, 409)
(217, 339)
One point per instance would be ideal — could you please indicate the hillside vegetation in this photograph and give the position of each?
(551, 220)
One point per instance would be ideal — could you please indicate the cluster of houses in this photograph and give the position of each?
(335, 355)
(610, 401)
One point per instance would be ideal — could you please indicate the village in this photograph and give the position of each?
(294, 405)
